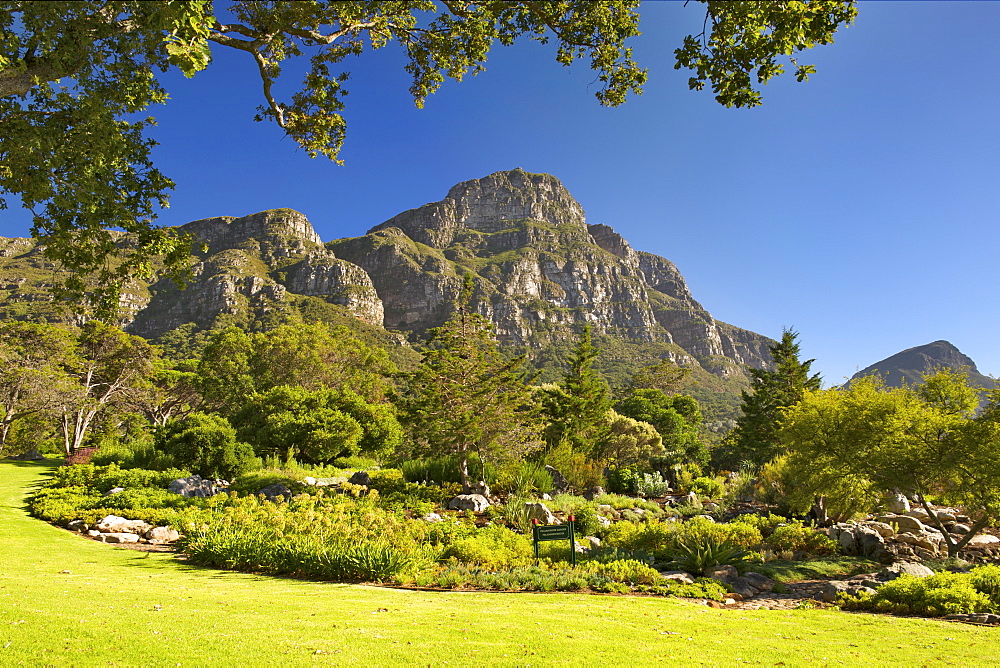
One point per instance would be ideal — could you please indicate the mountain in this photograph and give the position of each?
(909, 366)
(541, 272)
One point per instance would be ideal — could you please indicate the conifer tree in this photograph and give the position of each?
(578, 407)
(755, 440)
(466, 397)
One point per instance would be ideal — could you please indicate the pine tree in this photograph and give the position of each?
(754, 440)
(466, 397)
(578, 407)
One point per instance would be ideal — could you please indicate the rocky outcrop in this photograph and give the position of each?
(541, 271)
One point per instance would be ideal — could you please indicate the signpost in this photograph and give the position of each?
(555, 532)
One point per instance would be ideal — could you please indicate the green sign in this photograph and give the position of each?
(556, 532)
(553, 532)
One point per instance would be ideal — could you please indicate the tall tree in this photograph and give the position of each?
(465, 397)
(75, 75)
(578, 406)
(35, 378)
(755, 437)
(675, 418)
(112, 363)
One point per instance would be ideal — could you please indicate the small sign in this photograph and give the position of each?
(546, 532)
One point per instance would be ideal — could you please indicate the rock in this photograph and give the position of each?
(360, 478)
(119, 538)
(113, 491)
(893, 571)
(961, 529)
(276, 492)
(603, 521)
(898, 504)
(885, 530)
(834, 588)
(540, 512)
(432, 517)
(759, 581)
(848, 542)
(309, 480)
(78, 525)
(474, 502)
(593, 492)
(593, 541)
(115, 524)
(906, 523)
(480, 488)
(983, 539)
(94, 533)
(723, 573)
(559, 482)
(678, 576)
(546, 497)
(162, 535)
(193, 486)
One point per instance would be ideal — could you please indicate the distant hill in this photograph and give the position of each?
(909, 366)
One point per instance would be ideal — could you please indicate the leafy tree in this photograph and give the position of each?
(578, 406)
(35, 358)
(111, 365)
(74, 76)
(628, 442)
(859, 443)
(319, 425)
(675, 418)
(236, 364)
(207, 445)
(466, 398)
(755, 437)
(170, 393)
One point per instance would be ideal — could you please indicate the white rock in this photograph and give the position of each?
(120, 538)
(984, 539)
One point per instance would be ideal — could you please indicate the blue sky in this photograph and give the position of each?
(860, 208)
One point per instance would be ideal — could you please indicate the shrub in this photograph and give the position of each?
(796, 537)
(651, 485)
(523, 479)
(491, 547)
(941, 594)
(207, 444)
(712, 488)
(629, 571)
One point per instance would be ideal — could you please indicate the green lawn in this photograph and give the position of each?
(66, 601)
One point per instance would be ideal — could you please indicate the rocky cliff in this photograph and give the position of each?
(541, 271)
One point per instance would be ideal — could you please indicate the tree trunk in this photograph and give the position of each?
(463, 470)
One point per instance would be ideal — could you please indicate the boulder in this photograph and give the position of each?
(722, 573)
(432, 517)
(885, 530)
(759, 581)
(360, 478)
(906, 523)
(893, 571)
(603, 521)
(78, 525)
(559, 482)
(898, 504)
(592, 542)
(480, 488)
(539, 511)
(474, 502)
(834, 588)
(116, 490)
(960, 529)
(276, 492)
(983, 539)
(118, 538)
(678, 576)
(115, 524)
(162, 535)
(593, 492)
(193, 486)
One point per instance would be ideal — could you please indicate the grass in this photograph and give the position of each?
(820, 568)
(67, 601)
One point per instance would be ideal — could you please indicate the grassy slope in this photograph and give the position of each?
(65, 600)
